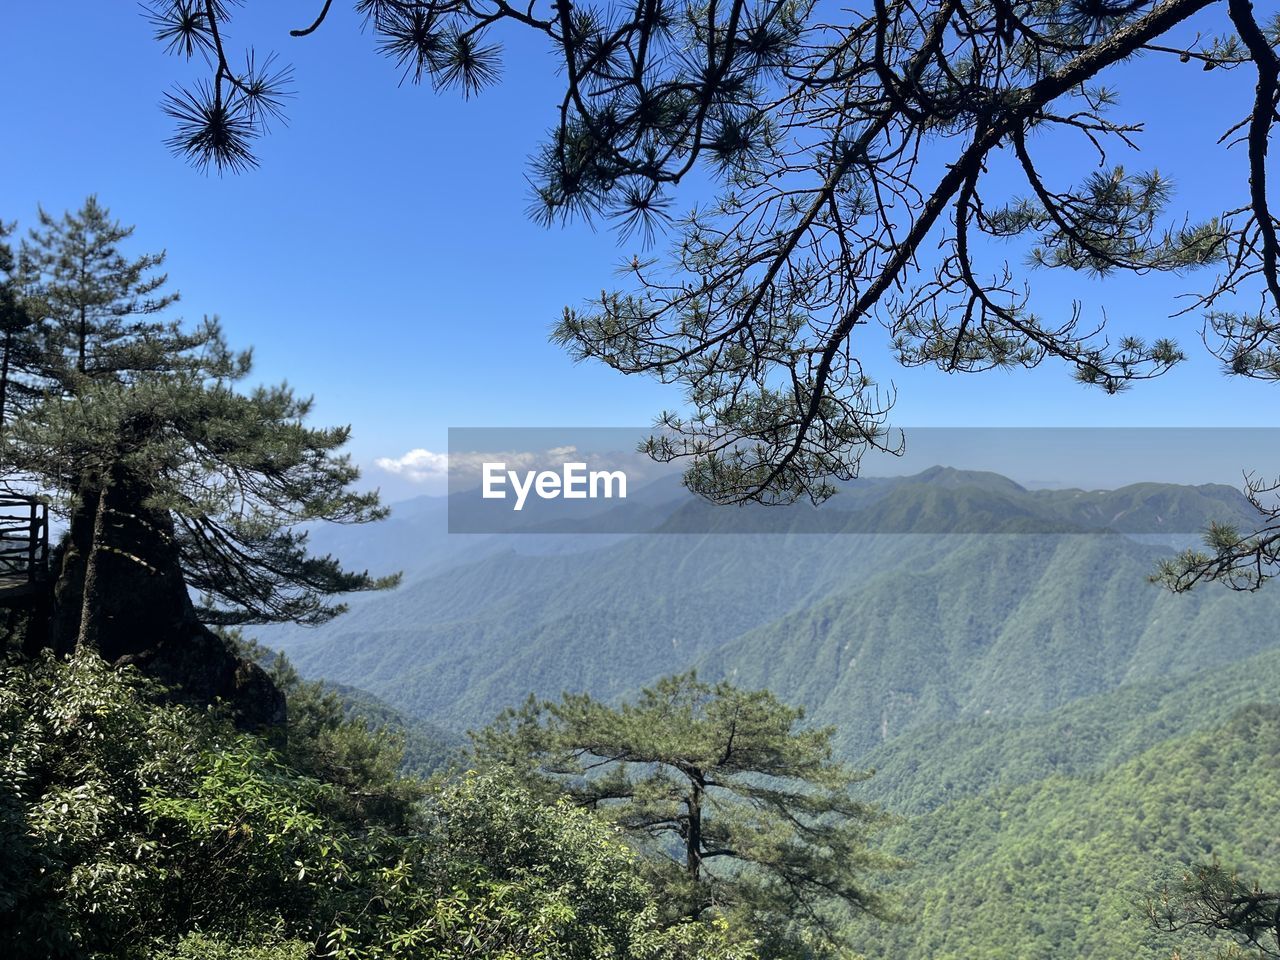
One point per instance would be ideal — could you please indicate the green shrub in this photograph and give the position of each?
(130, 828)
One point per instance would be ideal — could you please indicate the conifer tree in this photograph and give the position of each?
(23, 357)
(172, 477)
(895, 164)
(104, 310)
(184, 463)
(742, 810)
(1221, 905)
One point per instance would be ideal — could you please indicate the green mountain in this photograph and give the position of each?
(459, 646)
(879, 632)
(1061, 867)
(990, 625)
(1056, 733)
(427, 747)
(940, 764)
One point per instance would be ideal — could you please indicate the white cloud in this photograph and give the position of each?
(425, 466)
(419, 466)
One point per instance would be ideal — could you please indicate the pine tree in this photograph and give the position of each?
(871, 167)
(183, 463)
(101, 306)
(1222, 906)
(172, 478)
(21, 356)
(742, 810)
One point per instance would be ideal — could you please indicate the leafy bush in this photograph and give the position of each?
(130, 828)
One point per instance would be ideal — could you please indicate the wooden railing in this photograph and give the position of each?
(24, 538)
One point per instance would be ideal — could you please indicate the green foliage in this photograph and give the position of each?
(236, 472)
(327, 741)
(999, 626)
(22, 354)
(426, 748)
(201, 946)
(344, 734)
(962, 667)
(1063, 866)
(150, 415)
(743, 811)
(557, 872)
(1116, 222)
(942, 763)
(1220, 905)
(131, 829)
(878, 632)
(819, 213)
(99, 306)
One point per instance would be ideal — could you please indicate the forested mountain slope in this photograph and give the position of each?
(879, 633)
(1057, 732)
(991, 625)
(458, 647)
(1061, 867)
(933, 765)
(427, 747)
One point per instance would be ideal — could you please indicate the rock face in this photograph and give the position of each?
(141, 612)
(199, 667)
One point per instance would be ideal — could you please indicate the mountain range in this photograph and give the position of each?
(932, 607)
(1053, 733)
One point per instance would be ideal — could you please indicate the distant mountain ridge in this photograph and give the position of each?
(1057, 732)
(900, 625)
(936, 500)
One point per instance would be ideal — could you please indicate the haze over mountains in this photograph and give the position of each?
(1055, 731)
(941, 610)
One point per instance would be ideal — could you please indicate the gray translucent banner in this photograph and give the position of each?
(1121, 480)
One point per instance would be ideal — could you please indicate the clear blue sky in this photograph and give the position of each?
(381, 258)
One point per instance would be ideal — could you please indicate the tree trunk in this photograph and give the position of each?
(4, 374)
(693, 845)
(121, 593)
(90, 600)
(83, 340)
(68, 586)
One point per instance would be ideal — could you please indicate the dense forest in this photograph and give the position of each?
(173, 788)
(250, 711)
(133, 827)
(999, 713)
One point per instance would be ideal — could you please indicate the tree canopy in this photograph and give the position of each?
(138, 402)
(870, 165)
(21, 352)
(1220, 905)
(102, 310)
(174, 479)
(135, 829)
(743, 811)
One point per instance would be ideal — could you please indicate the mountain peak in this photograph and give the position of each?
(952, 477)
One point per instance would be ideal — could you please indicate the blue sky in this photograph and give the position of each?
(381, 259)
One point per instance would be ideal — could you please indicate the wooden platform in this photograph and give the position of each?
(24, 548)
(17, 588)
